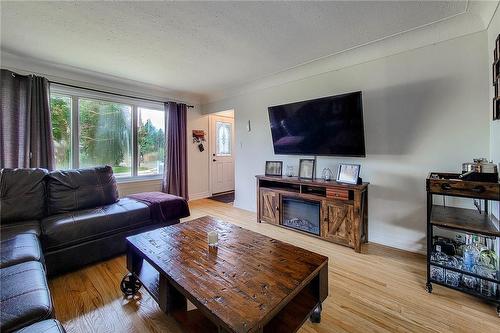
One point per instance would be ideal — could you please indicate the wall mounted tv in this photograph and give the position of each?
(328, 126)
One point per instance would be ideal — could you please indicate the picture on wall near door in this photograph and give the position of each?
(274, 168)
(307, 168)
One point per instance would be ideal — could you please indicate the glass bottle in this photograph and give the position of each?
(471, 253)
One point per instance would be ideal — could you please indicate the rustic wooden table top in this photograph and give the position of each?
(243, 282)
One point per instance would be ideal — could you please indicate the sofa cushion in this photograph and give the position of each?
(11, 230)
(72, 228)
(24, 296)
(46, 326)
(21, 248)
(22, 194)
(72, 190)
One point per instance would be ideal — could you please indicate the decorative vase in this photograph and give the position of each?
(327, 174)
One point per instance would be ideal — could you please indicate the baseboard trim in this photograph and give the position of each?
(197, 196)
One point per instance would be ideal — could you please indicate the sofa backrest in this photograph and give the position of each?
(71, 190)
(22, 194)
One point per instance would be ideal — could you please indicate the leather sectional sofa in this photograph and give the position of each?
(53, 222)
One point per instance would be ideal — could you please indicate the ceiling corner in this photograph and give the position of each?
(484, 10)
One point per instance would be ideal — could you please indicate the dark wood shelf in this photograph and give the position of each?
(468, 220)
(293, 315)
(312, 182)
(194, 321)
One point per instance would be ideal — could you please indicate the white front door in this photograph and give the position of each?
(221, 153)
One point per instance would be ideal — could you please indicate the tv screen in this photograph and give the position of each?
(329, 126)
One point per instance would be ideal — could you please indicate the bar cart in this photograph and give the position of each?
(463, 244)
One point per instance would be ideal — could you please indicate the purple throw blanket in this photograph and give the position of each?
(164, 207)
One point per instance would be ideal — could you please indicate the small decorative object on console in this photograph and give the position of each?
(307, 168)
(289, 170)
(213, 238)
(480, 170)
(348, 173)
(327, 174)
(274, 168)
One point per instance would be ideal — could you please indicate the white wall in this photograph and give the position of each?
(198, 181)
(493, 31)
(424, 110)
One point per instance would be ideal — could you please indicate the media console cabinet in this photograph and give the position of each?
(325, 209)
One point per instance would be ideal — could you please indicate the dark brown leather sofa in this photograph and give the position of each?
(53, 222)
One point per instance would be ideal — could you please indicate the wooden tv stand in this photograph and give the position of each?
(339, 212)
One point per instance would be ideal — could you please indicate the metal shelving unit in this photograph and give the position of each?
(460, 220)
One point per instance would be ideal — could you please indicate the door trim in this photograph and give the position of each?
(211, 145)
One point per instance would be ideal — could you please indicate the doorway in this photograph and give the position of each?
(221, 143)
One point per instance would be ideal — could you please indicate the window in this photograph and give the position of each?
(91, 129)
(151, 141)
(60, 106)
(105, 135)
(223, 140)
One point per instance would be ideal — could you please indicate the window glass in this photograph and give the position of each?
(150, 141)
(105, 135)
(60, 106)
(223, 139)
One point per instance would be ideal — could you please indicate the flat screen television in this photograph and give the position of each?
(328, 126)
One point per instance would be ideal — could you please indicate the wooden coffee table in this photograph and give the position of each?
(249, 283)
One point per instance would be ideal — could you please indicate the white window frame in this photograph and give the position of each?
(135, 103)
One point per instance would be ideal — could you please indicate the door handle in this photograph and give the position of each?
(214, 160)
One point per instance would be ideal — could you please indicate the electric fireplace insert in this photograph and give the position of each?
(303, 215)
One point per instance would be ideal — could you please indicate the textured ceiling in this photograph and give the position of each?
(203, 47)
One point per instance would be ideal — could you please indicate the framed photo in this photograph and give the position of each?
(274, 168)
(348, 173)
(307, 168)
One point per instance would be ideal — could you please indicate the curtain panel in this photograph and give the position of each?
(25, 126)
(175, 174)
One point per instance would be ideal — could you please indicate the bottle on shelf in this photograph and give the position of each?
(471, 252)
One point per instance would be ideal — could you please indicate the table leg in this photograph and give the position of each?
(134, 261)
(171, 300)
(320, 289)
(316, 314)
(130, 284)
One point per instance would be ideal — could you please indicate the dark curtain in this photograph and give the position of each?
(175, 173)
(25, 127)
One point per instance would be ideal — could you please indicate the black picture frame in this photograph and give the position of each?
(348, 173)
(274, 168)
(307, 168)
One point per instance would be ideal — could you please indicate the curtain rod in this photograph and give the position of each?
(107, 92)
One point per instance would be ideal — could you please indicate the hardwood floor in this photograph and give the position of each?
(380, 290)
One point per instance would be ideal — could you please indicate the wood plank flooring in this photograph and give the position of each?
(379, 290)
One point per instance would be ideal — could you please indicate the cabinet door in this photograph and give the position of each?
(269, 211)
(337, 224)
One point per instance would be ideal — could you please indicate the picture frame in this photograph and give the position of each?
(348, 173)
(274, 168)
(307, 168)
